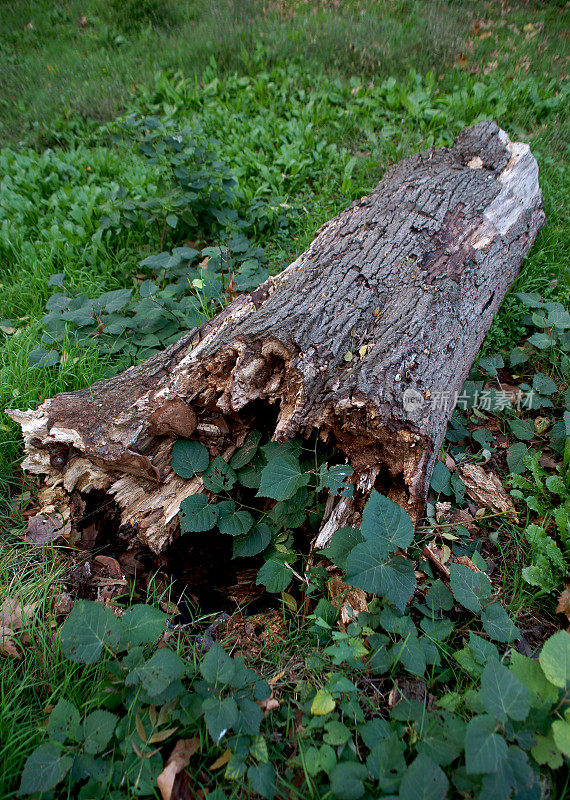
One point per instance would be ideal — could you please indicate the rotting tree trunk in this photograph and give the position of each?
(407, 279)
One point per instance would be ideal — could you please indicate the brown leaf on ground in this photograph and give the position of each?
(268, 705)
(221, 761)
(563, 606)
(348, 600)
(486, 489)
(44, 529)
(438, 556)
(179, 759)
(15, 615)
(466, 562)
(7, 646)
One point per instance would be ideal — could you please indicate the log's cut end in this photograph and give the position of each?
(366, 338)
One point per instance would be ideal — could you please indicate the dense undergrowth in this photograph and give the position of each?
(120, 233)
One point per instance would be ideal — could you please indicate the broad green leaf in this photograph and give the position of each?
(44, 768)
(502, 694)
(247, 451)
(517, 356)
(368, 569)
(471, 589)
(142, 624)
(386, 762)
(87, 629)
(262, 780)
(490, 364)
(515, 458)
(441, 479)
(443, 737)
(281, 478)
(347, 780)
(513, 772)
(561, 733)
(323, 703)
(498, 625)
(342, 542)
(546, 751)
(438, 597)
(530, 299)
(374, 731)
(543, 384)
(336, 733)
(156, 674)
(530, 674)
(482, 650)
(217, 667)
(386, 523)
(219, 716)
(258, 749)
(423, 780)
(98, 728)
(253, 542)
(410, 653)
(484, 748)
(197, 514)
(522, 428)
(237, 524)
(219, 476)
(189, 458)
(334, 479)
(555, 659)
(64, 721)
(275, 575)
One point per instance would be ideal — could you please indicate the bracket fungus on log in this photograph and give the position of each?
(385, 310)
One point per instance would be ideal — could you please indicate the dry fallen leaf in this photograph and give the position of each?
(179, 759)
(14, 614)
(486, 489)
(44, 529)
(222, 760)
(563, 606)
(7, 646)
(348, 600)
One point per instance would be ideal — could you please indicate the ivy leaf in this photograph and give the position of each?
(64, 721)
(347, 780)
(217, 667)
(367, 569)
(281, 478)
(44, 768)
(262, 780)
(142, 624)
(247, 451)
(471, 589)
(98, 728)
(423, 780)
(87, 629)
(502, 694)
(252, 543)
(484, 748)
(342, 542)
(555, 659)
(219, 716)
(197, 514)
(156, 674)
(189, 458)
(274, 575)
(386, 523)
(498, 625)
(219, 476)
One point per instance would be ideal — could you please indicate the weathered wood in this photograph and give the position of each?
(407, 280)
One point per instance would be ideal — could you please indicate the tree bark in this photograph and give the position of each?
(384, 312)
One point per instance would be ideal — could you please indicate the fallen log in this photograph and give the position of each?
(385, 311)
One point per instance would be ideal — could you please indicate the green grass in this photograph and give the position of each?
(296, 96)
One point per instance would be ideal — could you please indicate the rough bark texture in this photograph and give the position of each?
(407, 279)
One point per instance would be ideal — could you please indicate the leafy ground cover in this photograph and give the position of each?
(199, 148)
